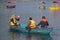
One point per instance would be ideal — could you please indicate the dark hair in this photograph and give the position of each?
(9, 2)
(43, 2)
(43, 17)
(30, 18)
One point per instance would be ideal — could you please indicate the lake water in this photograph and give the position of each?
(26, 10)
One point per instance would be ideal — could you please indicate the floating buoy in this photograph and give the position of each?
(57, 8)
(41, 7)
(43, 2)
(55, 2)
(54, 8)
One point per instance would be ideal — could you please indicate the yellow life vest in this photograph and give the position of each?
(33, 24)
(14, 20)
(11, 23)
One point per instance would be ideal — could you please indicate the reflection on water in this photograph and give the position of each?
(39, 37)
(13, 36)
(24, 36)
(28, 36)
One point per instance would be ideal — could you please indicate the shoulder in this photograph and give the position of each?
(47, 21)
(41, 21)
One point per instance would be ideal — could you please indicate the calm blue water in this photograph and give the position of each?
(26, 10)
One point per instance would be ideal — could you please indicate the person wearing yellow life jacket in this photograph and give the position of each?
(13, 20)
(44, 23)
(31, 24)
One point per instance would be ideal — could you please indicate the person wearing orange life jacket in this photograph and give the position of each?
(13, 20)
(31, 24)
(43, 22)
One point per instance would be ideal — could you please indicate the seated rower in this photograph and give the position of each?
(43, 22)
(13, 20)
(31, 24)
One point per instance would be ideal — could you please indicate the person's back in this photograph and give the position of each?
(44, 24)
(33, 24)
(12, 20)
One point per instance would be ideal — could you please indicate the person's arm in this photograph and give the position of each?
(47, 23)
(29, 23)
(18, 18)
(39, 24)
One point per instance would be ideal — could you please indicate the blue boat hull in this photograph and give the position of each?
(23, 30)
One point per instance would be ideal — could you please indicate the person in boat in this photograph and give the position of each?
(44, 23)
(31, 24)
(13, 20)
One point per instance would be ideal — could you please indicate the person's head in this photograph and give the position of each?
(13, 15)
(43, 17)
(30, 18)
